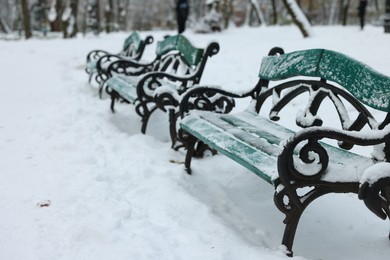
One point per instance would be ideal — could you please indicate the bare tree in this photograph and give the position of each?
(227, 10)
(298, 17)
(333, 12)
(345, 9)
(274, 12)
(4, 26)
(255, 15)
(26, 19)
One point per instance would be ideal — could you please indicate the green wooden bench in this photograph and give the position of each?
(98, 60)
(178, 65)
(328, 87)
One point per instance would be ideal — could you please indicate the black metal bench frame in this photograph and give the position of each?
(133, 49)
(302, 147)
(178, 66)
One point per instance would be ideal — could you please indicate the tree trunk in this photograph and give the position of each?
(26, 19)
(255, 16)
(345, 11)
(333, 12)
(74, 6)
(4, 26)
(274, 12)
(109, 14)
(56, 22)
(387, 17)
(226, 12)
(298, 17)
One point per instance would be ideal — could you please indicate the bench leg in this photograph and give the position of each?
(376, 197)
(293, 212)
(101, 88)
(292, 205)
(289, 232)
(114, 96)
(172, 127)
(145, 115)
(191, 141)
(90, 77)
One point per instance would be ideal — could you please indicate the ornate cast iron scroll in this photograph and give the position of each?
(311, 152)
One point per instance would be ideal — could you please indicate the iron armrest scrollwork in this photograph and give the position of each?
(175, 86)
(306, 142)
(151, 81)
(210, 98)
(107, 58)
(95, 55)
(102, 74)
(128, 67)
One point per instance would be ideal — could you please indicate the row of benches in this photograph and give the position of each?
(302, 165)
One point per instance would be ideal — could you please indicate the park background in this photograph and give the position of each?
(78, 182)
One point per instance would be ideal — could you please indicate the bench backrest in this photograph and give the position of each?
(181, 44)
(363, 82)
(177, 55)
(134, 46)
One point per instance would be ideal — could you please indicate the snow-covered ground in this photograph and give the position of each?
(78, 182)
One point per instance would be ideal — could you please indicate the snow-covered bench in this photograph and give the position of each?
(328, 97)
(178, 66)
(98, 60)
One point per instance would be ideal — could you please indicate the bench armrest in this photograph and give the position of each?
(105, 59)
(129, 67)
(211, 98)
(176, 85)
(95, 55)
(102, 65)
(310, 151)
(303, 162)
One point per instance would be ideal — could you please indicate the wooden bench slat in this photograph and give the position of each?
(245, 132)
(91, 67)
(125, 85)
(253, 159)
(261, 137)
(275, 134)
(250, 122)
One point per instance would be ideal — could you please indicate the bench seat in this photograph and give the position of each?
(255, 142)
(126, 86)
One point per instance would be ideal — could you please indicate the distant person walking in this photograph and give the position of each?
(182, 11)
(362, 12)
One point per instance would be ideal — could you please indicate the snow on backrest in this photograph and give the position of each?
(181, 44)
(133, 40)
(363, 82)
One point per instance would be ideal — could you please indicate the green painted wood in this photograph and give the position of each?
(180, 43)
(125, 86)
(135, 40)
(275, 134)
(253, 159)
(91, 66)
(255, 142)
(299, 63)
(364, 83)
